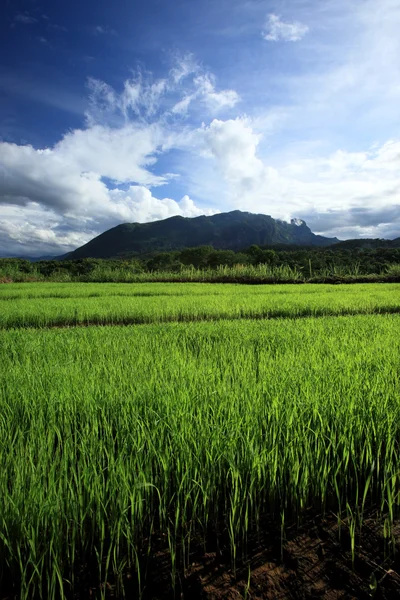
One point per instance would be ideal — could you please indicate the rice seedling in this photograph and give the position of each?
(115, 441)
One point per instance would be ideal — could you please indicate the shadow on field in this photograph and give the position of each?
(311, 563)
(314, 561)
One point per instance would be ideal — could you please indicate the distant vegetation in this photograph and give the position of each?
(346, 261)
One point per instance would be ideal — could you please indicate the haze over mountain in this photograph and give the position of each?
(229, 231)
(120, 112)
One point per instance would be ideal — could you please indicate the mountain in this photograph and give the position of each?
(228, 231)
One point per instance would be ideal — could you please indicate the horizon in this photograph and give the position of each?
(132, 113)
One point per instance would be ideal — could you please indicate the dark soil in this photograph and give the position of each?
(314, 561)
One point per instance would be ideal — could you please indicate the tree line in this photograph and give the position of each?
(309, 261)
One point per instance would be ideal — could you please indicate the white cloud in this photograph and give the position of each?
(120, 154)
(63, 187)
(343, 85)
(205, 92)
(35, 230)
(68, 177)
(152, 100)
(234, 144)
(343, 193)
(307, 152)
(185, 66)
(25, 18)
(32, 231)
(103, 30)
(140, 98)
(71, 171)
(139, 205)
(326, 153)
(216, 101)
(277, 30)
(143, 97)
(73, 189)
(182, 106)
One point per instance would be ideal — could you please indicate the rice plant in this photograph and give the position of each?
(114, 438)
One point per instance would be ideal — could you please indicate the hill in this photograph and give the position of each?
(225, 231)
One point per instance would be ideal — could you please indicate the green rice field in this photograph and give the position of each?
(48, 304)
(221, 412)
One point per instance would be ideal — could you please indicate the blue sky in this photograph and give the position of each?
(130, 111)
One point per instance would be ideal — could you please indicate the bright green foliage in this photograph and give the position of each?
(109, 435)
(73, 304)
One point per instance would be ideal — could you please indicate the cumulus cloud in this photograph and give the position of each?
(233, 144)
(325, 154)
(277, 30)
(54, 199)
(344, 193)
(64, 185)
(101, 175)
(71, 172)
(35, 230)
(121, 154)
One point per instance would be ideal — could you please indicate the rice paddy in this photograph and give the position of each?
(45, 305)
(117, 443)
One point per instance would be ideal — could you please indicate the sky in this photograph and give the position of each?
(129, 111)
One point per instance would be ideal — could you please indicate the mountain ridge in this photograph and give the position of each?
(223, 231)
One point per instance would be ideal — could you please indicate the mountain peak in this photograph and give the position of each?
(298, 222)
